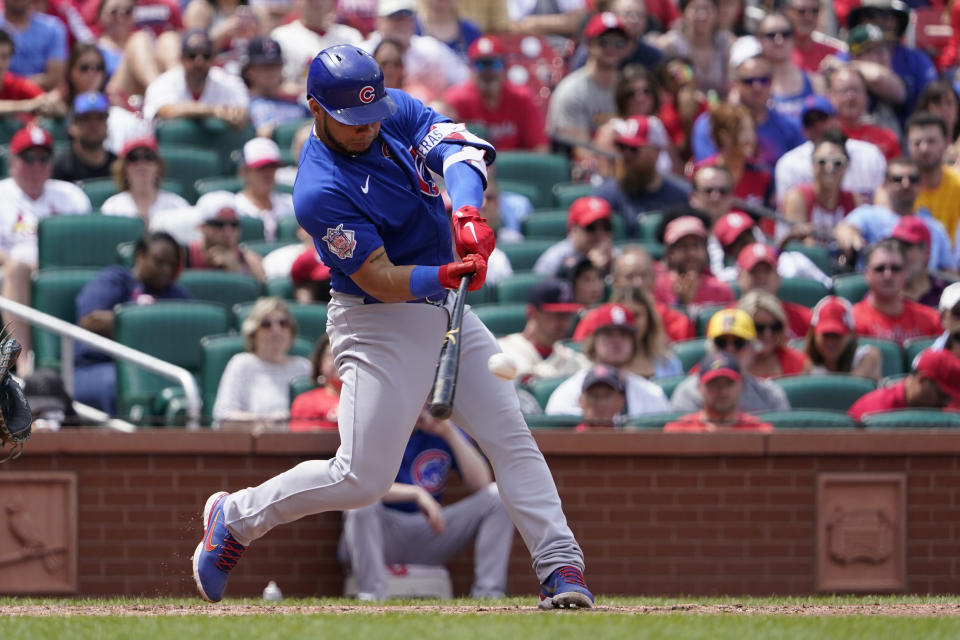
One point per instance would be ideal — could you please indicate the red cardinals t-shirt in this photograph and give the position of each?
(516, 123)
(798, 319)
(697, 423)
(18, 88)
(885, 139)
(710, 291)
(883, 399)
(915, 320)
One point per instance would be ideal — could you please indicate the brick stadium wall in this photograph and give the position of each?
(657, 514)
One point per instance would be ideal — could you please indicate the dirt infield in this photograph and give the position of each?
(925, 610)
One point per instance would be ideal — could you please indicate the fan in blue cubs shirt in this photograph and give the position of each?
(365, 193)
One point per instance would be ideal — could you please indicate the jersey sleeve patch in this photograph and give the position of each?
(340, 241)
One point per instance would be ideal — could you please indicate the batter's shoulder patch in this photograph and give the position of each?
(340, 241)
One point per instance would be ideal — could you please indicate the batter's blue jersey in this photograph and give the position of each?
(385, 196)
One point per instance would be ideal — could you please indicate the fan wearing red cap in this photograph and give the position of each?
(259, 197)
(28, 196)
(609, 333)
(589, 233)
(138, 175)
(914, 238)
(757, 270)
(505, 109)
(538, 350)
(831, 343)
(886, 312)
(219, 246)
(731, 232)
(934, 383)
(721, 386)
(687, 279)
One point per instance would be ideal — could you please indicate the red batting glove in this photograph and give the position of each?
(471, 233)
(473, 263)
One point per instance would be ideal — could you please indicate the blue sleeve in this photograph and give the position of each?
(105, 291)
(343, 236)
(464, 184)
(58, 41)
(700, 139)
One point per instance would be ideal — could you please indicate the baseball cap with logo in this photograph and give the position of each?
(604, 374)
(217, 206)
(950, 297)
(390, 7)
(262, 50)
(682, 227)
(90, 102)
(943, 368)
(486, 47)
(633, 131)
(731, 322)
(832, 314)
(863, 38)
(29, 137)
(912, 230)
(603, 22)
(816, 103)
(606, 315)
(553, 294)
(145, 142)
(730, 225)
(260, 152)
(753, 254)
(586, 210)
(719, 365)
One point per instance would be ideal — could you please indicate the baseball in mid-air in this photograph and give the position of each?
(502, 366)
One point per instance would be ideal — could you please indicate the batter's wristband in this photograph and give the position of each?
(425, 282)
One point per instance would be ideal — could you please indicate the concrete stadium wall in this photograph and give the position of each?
(656, 514)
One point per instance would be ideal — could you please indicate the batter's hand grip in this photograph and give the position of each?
(445, 379)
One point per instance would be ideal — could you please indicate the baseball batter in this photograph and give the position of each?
(365, 194)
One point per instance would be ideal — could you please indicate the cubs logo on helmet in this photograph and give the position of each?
(367, 94)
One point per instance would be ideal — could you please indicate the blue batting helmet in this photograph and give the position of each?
(348, 83)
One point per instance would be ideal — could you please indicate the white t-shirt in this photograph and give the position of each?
(20, 215)
(428, 63)
(244, 372)
(865, 172)
(281, 206)
(643, 396)
(301, 45)
(122, 204)
(170, 87)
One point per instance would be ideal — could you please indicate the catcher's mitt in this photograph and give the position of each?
(15, 415)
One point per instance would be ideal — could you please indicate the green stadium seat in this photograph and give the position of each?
(185, 165)
(703, 317)
(523, 255)
(525, 189)
(655, 249)
(215, 353)
(836, 392)
(487, 294)
(311, 318)
(852, 286)
(57, 128)
(262, 248)
(808, 419)
(892, 354)
(546, 225)
(690, 352)
(820, 256)
(670, 384)
(232, 184)
(284, 133)
(564, 193)
(281, 287)
(912, 348)
(54, 291)
(540, 170)
(543, 421)
(287, 228)
(301, 385)
(802, 291)
(649, 221)
(8, 126)
(541, 389)
(167, 330)
(98, 190)
(503, 319)
(208, 133)
(654, 421)
(912, 419)
(85, 240)
(251, 229)
(222, 287)
(514, 289)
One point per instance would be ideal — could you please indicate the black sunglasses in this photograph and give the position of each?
(599, 225)
(84, 68)
(220, 224)
(758, 81)
(613, 42)
(37, 157)
(488, 64)
(723, 191)
(893, 268)
(141, 155)
(911, 178)
(266, 323)
(807, 11)
(773, 327)
(725, 342)
(646, 91)
(835, 163)
(193, 55)
(784, 33)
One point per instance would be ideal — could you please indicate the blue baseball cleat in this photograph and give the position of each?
(565, 588)
(217, 553)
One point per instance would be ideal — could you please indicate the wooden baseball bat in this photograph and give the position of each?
(445, 379)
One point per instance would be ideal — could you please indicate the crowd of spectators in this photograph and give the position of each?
(723, 149)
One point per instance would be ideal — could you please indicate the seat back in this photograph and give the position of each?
(690, 352)
(543, 421)
(287, 228)
(54, 291)
(540, 170)
(649, 222)
(523, 255)
(186, 163)
(514, 289)
(232, 184)
(503, 319)
(98, 190)
(280, 286)
(835, 391)
(223, 287)
(251, 229)
(820, 256)
(802, 291)
(655, 421)
(808, 419)
(912, 348)
(170, 331)
(541, 389)
(301, 385)
(212, 134)
(890, 352)
(564, 193)
(852, 286)
(669, 385)
(913, 419)
(311, 319)
(545, 225)
(84, 240)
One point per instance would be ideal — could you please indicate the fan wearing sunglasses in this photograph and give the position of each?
(589, 233)
(265, 365)
(949, 309)
(886, 312)
(832, 345)
(219, 246)
(772, 356)
(196, 88)
(732, 331)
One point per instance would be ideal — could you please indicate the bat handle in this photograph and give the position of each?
(440, 405)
